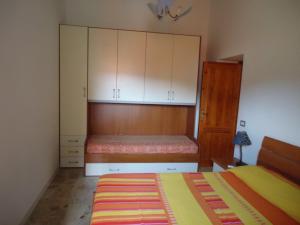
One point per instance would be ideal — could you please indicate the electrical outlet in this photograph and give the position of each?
(242, 123)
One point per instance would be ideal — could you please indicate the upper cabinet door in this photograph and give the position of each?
(185, 69)
(102, 66)
(131, 66)
(159, 56)
(73, 80)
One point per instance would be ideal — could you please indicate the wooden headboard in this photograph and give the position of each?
(281, 157)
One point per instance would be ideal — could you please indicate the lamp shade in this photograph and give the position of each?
(242, 138)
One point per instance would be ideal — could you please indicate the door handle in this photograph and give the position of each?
(84, 92)
(202, 115)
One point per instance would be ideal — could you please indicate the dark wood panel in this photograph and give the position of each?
(133, 119)
(218, 111)
(190, 122)
(134, 158)
(213, 145)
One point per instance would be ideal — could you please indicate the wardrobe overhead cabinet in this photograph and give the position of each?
(102, 65)
(131, 66)
(158, 68)
(185, 69)
(142, 67)
(116, 65)
(73, 94)
(171, 68)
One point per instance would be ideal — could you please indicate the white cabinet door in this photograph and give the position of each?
(73, 80)
(159, 56)
(131, 66)
(185, 69)
(102, 67)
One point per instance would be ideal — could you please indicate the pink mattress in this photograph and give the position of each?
(140, 144)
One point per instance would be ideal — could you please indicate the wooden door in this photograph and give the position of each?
(159, 56)
(185, 69)
(131, 66)
(218, 110)
(102, 65)
(73, 80)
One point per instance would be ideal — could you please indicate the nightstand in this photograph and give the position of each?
(220, 164)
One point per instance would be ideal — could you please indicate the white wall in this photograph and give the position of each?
(29, 103)
(135, 15)
(268, 34)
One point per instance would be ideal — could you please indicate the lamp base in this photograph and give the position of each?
(240, 163)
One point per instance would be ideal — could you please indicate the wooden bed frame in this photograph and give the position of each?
(280, 157)
(135, 119)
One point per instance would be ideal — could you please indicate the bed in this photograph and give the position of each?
(145, 153)
(268, 193)
(140, 144)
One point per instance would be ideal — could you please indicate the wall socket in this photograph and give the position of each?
(242, 123)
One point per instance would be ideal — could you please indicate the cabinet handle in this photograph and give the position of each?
(113, 170)
(84, 92)
(118, 93)
(168, 95)
(114, 93)
(173, 95)
(73, 162)
(171, 169)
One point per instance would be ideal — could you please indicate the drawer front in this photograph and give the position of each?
(71, 161)
(97, 169)
(72, 140)
(71, 151)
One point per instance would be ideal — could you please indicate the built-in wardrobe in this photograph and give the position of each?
(102, 68)
(73, 94)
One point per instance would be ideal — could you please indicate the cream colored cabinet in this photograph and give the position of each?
(171, 68)
(185, 69)
(73, 91)
(102, 65)
(73, 80)
(131, 66)
(159, 56)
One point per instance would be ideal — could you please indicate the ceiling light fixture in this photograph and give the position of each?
(162, 8)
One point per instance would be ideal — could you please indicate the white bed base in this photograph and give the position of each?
(98, 169)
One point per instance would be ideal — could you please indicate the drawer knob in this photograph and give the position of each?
(73, 151)
(73, 141)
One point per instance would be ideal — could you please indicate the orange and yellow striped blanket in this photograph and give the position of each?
(243, 195)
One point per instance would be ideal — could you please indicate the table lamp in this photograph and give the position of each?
(241, 138)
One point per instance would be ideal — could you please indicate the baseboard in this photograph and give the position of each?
(42, 192)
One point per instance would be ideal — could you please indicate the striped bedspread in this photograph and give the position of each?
(232, 197)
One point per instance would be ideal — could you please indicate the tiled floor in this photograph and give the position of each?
(67, 201)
